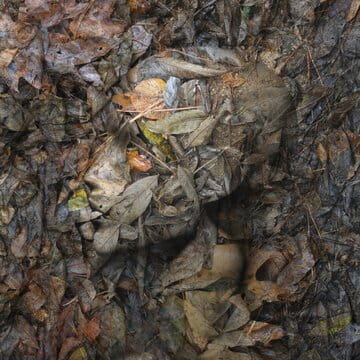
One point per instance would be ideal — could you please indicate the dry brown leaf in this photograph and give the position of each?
(228, 260)
(233, 79)
(264, 332)
(354, 9)
(321, 153)
(255, 332)
(147, 97)
(202, 331)
(266, 290)
(18, 244)
(96, 21)
(7, 56)
(140, 6)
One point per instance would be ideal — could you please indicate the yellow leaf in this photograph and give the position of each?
(78, 200)
(79, 354)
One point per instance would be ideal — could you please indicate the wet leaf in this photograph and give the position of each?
(138, 162)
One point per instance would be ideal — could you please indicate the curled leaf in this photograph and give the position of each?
(138, 162)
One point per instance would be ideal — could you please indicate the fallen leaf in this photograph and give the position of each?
(64, 57)
(7, 56)
(96, 21)
(233, 79)
(147, 98)
(6, 214)
(202, 332)
(78, 200)
(107, 236)
(18, 244)
(112, 330)
(134, 200)
(228, 260)
(212, 304)
(181, 122)
(140, 6)
(354, 9)
(255, 332)
(240, 315)
(138, 162)
(91, 329)
(79, 354)
(221, 352)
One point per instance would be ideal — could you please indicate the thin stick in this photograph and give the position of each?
(163, 110)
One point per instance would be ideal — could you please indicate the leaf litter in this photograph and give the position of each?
(177, 182)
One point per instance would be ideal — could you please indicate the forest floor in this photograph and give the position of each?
(128, 233)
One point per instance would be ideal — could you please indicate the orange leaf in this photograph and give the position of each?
(138, 162)
(147, 98)
(151, 87)
(92, 329)
(233, 79)
(124, 100)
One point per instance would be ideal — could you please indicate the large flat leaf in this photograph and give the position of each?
(134, 200)
(106, 237)
(182, 122)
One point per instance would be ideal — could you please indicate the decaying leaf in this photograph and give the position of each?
(134, 200)
(255, 332)
(240, 315)
(107, 236)
(354, 9)
(163, 67)
(282, 277)
(91, 329)
(201, 331)
(181, 122)
(97, 22)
